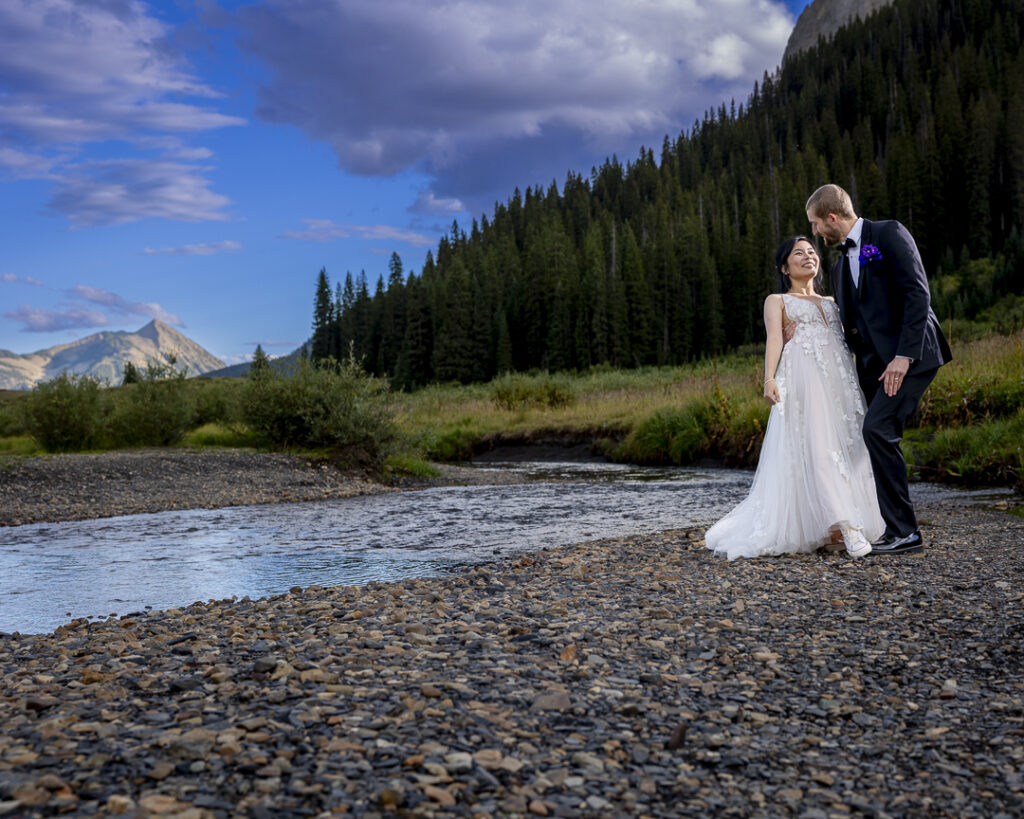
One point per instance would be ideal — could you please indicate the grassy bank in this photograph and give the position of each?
(968, 429)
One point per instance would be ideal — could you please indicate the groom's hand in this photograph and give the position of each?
(787, 332)
(892, 378)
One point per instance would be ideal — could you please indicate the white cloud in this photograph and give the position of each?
(77, 72)
(26, 165)
(205, 249)
(724, 57)
(123, 307)
(38, 320)
(427, 203)
(471, 91)
(116, 191)
(324, 230)
(11, 278)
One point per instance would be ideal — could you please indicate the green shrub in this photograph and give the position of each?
(989, 453)
(329, 405)
(452, 445)
(513, 392)
(12, 417)
(217, 401)
(65, 414)
(157, 410)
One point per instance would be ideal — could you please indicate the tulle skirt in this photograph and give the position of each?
(814, 474)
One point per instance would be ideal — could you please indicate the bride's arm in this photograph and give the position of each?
(773, 347)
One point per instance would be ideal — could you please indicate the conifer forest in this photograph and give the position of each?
(918, 111)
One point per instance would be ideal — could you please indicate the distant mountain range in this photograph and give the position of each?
(103, 356)
(285, 364)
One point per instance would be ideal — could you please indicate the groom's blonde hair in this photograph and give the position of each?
(830, 199)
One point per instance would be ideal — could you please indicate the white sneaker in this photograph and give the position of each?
(856, 544)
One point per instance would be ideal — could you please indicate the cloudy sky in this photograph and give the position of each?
(199, 161)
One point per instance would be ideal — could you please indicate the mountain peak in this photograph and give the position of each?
(103, 356)
(822, 18)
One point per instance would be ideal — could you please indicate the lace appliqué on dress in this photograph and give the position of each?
(814, 474)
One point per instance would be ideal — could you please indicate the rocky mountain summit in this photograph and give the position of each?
(103, 356)
(821, 19)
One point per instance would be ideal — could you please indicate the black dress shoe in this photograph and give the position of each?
(892, 545)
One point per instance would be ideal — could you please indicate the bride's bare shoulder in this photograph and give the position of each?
(773, 298)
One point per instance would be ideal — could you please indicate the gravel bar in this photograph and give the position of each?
(628, 677)
(77, 486)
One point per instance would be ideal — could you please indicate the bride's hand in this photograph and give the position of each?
(771, 392)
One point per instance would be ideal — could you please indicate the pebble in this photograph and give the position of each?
(611, 678)
(82, 486)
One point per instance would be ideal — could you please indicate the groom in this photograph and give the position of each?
(884, 301)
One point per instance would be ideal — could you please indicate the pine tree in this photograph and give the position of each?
(259, 367)
(323, 318)
(131, 374)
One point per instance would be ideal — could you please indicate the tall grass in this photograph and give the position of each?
(965, 429)
(968, 428)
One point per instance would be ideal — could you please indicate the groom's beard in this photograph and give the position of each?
(832, 237)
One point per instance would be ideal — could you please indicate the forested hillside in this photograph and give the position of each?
(918, 111)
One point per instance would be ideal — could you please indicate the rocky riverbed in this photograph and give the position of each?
(54, 488)
(634, 677)
(83, 486)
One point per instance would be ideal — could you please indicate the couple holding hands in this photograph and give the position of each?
(831, 467)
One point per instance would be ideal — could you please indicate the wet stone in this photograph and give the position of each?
(636, 676)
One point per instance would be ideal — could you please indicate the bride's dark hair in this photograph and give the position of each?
(782, 256)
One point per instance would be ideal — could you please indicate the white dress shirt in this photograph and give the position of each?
(854, 252)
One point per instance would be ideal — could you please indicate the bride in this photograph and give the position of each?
(813, 482)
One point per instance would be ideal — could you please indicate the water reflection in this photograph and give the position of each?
(50, 572)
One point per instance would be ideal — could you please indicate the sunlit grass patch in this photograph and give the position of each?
(407, 465)
(19, 445)
(214, 435)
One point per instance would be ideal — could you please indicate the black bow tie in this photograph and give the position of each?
(847, 246)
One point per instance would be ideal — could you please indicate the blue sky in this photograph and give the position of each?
(199, 161)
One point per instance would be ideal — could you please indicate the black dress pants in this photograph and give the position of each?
(883, 431)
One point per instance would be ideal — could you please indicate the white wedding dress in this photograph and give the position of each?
(814, 475)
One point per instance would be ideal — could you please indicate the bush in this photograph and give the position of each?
(329, 405)
(989, 453)
(217, 401)
(452, 445)
(157, 410)
(65, 414)
(705, 427)
(12, 417)
(513, 392)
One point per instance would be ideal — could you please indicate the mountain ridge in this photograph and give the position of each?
(103, 356)
(823, 18)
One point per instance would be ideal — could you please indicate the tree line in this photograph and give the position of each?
(918, 111)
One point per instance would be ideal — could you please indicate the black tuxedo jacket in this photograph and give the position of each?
(890, 313)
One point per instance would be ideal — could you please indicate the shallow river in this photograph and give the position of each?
(52, 572)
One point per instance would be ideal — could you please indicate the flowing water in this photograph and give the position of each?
(52, 572)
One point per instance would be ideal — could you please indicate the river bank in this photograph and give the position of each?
(83, 486)
(628, 677)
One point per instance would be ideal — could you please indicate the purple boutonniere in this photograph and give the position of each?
(869, 253)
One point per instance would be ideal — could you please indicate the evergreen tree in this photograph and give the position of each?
(260, 364)
(916, 110)
(131, 374)
(323, 318)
